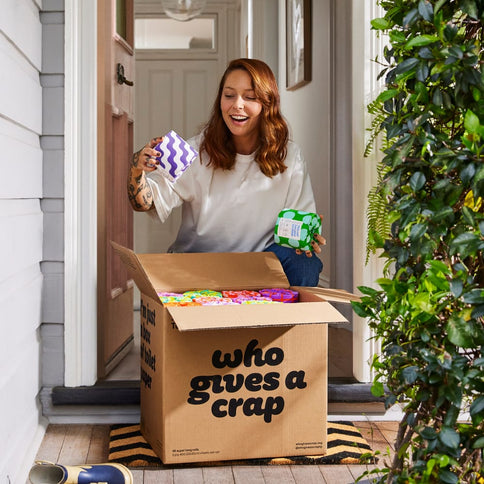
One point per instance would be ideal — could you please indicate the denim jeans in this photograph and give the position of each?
(300, 270)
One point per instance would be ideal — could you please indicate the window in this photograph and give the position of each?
(166, 33)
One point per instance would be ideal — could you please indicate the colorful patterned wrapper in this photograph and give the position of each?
(169, 299)
(296, 229)
(169, 294)
(214, 301)
(257, 301)
(182, 303)
(242, 293)
(202, 292)
(244, 299)
(176, 156)
(281, 295)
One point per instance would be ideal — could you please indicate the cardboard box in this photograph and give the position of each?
(230, 382)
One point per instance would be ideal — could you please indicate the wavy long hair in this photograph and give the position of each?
(217, 139)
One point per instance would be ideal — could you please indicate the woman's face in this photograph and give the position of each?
(241, 110)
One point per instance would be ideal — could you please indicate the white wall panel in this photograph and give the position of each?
(21, 236)
(19, 385)
(53, 112)
(20, 80)
(53, 163)
(52, 355)
(22, 157)
(19, 312)
(22, 450)
(53, 54)
(20, 23)
(53, 292)
(21, 240)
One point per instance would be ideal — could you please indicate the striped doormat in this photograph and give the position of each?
(345, 445)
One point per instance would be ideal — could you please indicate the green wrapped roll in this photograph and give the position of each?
(296, 229)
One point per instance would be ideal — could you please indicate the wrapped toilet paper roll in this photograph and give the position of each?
(296, 229)
(176, 156)
(281, 295)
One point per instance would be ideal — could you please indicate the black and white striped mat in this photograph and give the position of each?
(345, 445)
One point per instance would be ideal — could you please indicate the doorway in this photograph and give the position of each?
(167, 68)
(80, 271)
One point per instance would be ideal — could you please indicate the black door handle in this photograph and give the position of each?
(120, 76)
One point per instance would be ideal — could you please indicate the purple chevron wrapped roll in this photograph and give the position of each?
(176, 156)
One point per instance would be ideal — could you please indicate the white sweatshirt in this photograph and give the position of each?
(231, 210)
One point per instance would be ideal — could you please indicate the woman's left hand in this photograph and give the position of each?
(318, 241)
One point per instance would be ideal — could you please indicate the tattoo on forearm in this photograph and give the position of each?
(139, 191)
(135, 159)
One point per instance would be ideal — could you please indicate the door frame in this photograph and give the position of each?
(80, 199)
(365, 87)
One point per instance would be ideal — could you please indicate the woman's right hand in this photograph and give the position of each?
(145, 159)
(139, 190)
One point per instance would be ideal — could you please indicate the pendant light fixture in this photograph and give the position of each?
(183, 10)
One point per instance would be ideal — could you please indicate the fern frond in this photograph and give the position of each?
(375, 129)
(377, 213)
(375, 108)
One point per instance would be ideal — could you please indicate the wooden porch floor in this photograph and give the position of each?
(88, 444)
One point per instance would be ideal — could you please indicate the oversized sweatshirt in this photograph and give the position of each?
(231, 210)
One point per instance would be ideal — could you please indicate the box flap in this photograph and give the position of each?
(135, 270)
(209, 270)
(192, 318)
(336, 295)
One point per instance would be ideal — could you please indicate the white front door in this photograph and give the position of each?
(175, 88)
(170, 95)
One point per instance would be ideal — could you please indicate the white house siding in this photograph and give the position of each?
(31, 133)
(52, 143)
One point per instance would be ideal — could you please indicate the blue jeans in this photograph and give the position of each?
(300, 269)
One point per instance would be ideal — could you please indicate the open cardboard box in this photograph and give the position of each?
(231, 382)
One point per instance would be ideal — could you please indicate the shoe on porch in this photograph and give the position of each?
(48, 473)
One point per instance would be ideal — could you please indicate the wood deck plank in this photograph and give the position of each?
(162, 476)
(246, 474)
(99, 445)
(359, 469)
(336, 474)
(307, 474)
(373, 435)
(277, 474)
(138, 476)
(76, 445)
(389, 430)
(190, 475)
(218, 475)
(52, 443)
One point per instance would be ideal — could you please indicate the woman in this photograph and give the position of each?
(247, 173)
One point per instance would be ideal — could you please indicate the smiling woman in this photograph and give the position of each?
(247, 166)
(257, 82)
(240, 110)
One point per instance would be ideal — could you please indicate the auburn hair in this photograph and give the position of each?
(217, 139)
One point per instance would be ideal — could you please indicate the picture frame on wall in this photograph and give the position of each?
(298, 43)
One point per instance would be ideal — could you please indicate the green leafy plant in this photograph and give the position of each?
(428, 312)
